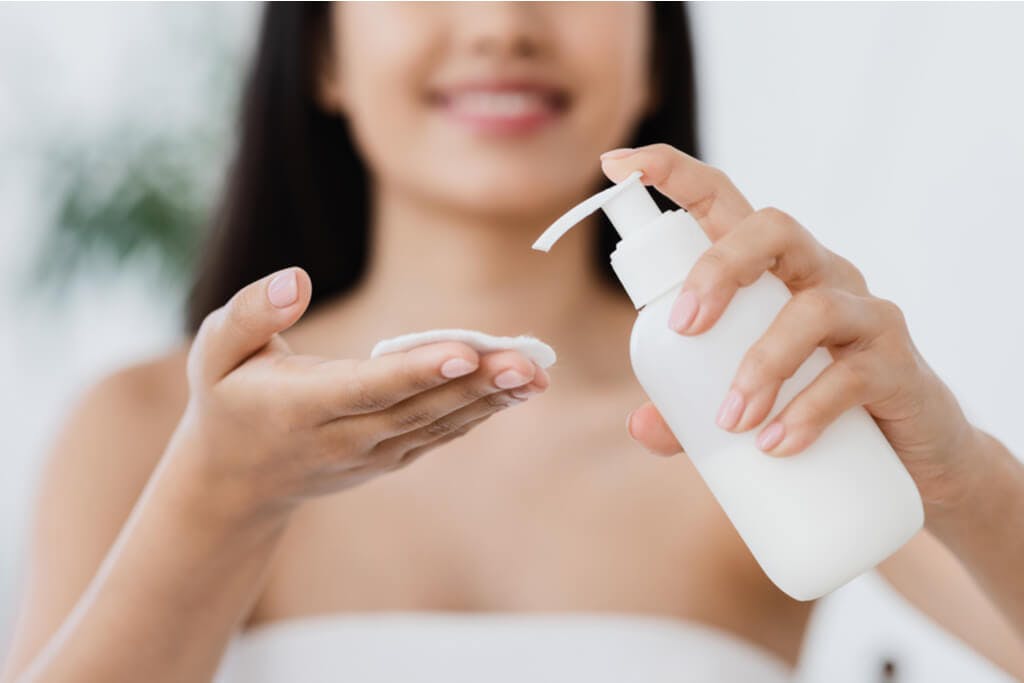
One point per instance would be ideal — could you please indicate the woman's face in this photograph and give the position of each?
(492, 107)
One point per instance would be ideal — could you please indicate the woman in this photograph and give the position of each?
(406, 156)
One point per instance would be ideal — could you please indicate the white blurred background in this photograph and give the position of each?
(893, 131)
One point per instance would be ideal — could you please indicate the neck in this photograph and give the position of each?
(435, 266)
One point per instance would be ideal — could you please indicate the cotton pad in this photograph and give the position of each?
(531, 347)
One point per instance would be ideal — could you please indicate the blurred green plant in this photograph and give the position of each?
(143, 201)
(137, 196)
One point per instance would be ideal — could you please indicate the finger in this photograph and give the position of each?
(848, 382)
(340, 388)
(811, 319)
(646, 425)
(704, 191)
(461, 421)
(447, 427)
(499, 371)
(540, 383)
(248, 322)
(767, 240)
(414, 453)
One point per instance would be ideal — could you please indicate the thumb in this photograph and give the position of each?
(248, 322)
(646, 425)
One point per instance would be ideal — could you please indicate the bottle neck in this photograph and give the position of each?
(657, 258)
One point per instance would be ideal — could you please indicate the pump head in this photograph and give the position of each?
(628, 206)
(656, 250)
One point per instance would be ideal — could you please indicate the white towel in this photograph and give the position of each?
(531, 347)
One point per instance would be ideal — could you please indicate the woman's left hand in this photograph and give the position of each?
(875, 362)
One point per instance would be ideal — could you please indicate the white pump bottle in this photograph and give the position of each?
(813, 521)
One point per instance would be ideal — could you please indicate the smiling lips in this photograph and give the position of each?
(502, 108)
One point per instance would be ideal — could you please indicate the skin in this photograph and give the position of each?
(229, 483)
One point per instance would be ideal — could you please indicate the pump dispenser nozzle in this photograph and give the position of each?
(657, 249)
(628, 206)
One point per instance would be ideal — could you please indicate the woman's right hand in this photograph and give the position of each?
(268, 428)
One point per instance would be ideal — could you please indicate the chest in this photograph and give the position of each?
(531, 510)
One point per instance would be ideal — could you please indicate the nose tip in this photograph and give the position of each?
(511, 44)
(505, 29)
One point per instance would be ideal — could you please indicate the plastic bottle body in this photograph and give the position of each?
(813, 521)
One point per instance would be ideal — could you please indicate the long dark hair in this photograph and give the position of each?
(296, 193)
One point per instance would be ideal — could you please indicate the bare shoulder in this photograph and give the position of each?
(123, 422)
(111, 441)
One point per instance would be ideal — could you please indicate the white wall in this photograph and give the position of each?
(892, 131)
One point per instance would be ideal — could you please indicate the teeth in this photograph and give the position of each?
(499, 104)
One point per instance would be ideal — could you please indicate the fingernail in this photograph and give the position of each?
(457, 367)
(523, 394)
(684, 310)
(629, 425)
(771, 436)
(617, 153)
(283, 289)
(732, 408)
(510, 379)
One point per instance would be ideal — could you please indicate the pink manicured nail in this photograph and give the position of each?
(523, 394)
(617, 153)
(457, 367)
(629, 425)
(283, 289)
(510, 379)
(771, 436)
(732, 408)
(684, 310)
